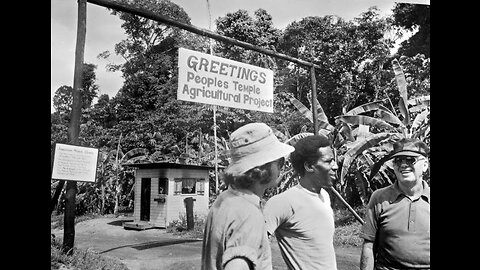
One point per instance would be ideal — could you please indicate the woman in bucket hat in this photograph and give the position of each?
(235, 235)
(396, 231)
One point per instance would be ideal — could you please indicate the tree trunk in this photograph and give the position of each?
(117, 198)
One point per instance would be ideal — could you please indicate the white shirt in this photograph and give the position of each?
(303, 224)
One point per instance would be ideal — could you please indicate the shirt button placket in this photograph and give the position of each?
(411, 222)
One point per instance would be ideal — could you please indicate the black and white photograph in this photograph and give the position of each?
(240, 134)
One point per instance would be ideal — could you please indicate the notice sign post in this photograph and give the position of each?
(209, 79)
(75, 163)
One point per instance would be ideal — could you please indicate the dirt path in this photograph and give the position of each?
(157, 249)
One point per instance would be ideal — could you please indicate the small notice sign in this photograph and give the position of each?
(209, 79)
(75, 163)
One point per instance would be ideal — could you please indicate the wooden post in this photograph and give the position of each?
(74, 129)
(314, 100)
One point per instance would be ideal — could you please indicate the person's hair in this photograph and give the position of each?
(306, 150)
(260, 174)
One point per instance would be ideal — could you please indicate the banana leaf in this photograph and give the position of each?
(367, 107)
(134, 152)
(418, 108)
(359, 184)
(387, 116)
(402, 89)
(346, 131)
(320, 113)
(279, 135)
(419, 119)
(307, 113)
(358, 148)
(368, 159)
(287, 180)
(339, 141)
(324, 126)
(364, 120)
(423, 100)
(293, 140)
(303, 129)
(377, 166)
(421, 132)
(382, 175)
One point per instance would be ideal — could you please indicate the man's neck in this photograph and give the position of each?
(306, 183)
(412, 190)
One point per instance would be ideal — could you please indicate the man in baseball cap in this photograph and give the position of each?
(396, 231)
(235, 235)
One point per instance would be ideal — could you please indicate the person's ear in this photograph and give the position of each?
(308, 167)
(425, 165)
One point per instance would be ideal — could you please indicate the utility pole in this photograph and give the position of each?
(74, 128)
(214, 106)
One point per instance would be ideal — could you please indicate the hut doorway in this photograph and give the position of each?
(145, 199)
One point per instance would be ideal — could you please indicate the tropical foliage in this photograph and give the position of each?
(366, 97)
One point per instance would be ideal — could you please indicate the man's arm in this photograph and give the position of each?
(367, 258)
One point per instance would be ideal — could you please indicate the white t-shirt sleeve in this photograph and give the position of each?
(276, 212)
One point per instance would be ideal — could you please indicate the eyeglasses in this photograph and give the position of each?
(409, 160)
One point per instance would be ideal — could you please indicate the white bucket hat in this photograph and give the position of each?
(253, 145)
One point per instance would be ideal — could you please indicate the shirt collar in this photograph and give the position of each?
(247, 195)
(397, 192)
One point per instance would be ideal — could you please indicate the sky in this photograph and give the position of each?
(104, 30)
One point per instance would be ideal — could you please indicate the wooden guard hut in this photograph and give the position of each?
(161, 192)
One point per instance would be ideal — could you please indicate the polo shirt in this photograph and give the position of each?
(399, 227)
(235, 227)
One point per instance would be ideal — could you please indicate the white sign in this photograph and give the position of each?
(75, 163)
(209, 79)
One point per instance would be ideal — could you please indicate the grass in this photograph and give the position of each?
(57, 221)
(347, 228)
(82, 259)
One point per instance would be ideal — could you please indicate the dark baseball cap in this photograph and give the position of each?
(409, 147)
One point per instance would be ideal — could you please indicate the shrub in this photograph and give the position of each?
(179, 226)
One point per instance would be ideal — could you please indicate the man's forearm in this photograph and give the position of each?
(367, 259)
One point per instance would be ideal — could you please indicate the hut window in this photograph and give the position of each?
(162, 185)
(185, 185)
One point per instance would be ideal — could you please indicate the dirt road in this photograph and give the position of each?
(157, 249)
